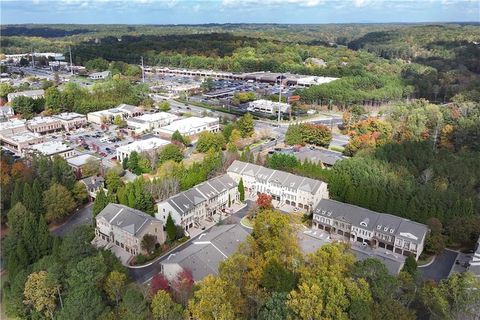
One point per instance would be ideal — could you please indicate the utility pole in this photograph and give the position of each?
(71, 63)
(143, 71)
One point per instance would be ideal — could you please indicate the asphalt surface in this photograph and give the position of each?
(440, 268)
(144, 274)
(83, 216)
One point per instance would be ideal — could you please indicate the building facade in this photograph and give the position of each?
(379, 230)
(191, 207)
(190, 126)
(44, 125)
(125, 227)
(268, 106)
(149, 122)
(124, 111)
(71, 120)
(147, 145)
(286, 188)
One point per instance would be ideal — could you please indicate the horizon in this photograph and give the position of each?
(205, 12)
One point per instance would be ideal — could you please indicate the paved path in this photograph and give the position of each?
(440, 268)
(81, 217)
(144, 274)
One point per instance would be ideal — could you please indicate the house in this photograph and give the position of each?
(268, 106)
(148, 122)
(204, 255)
(367, 227)
(286, 188)
(124, 111)
(34, 94)
(71, 120)
(124, 228)
(44, 125)
(79, 161)
(6, 112)
(190, 126)
(93, 185)
(191, 207)
(51, 149)
(99, 75)
(147, 145)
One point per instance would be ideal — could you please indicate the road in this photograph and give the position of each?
(143, 275)
(440, 268)
(81, 217)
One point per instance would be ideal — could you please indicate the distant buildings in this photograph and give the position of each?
(268, 106)
(191, 207)
(190, 126)
(203, 256)
(99, 75)
(124, 227)
(124, 111)
(34, 94)
(148, 122)
(379, 230)
(286, 188)
(150, 144)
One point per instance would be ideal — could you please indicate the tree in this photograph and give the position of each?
(133, 305)
(148, 243)
(58, 202)
(170, 228)
(17, 195)
(91, 167)
(115, 286)
(159, 282)
(246, 126)
(182, 287)
(241, 190)
(44, 238)
(97, 64)
(100, 202)
(25, 106)
(170, 152)
(275, 308)
(80, 193)
(264, 201)
(208, 140)
(40, 293)
(207, 84)
(177, 136)
(211, 300)
(5, 89)
(277, 278)
(164, 106)
(410, 266)
(163, 307)
(133, 163)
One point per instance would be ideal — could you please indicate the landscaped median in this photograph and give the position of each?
(247, 222)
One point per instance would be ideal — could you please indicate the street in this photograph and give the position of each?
(144, 274)
(81, 217)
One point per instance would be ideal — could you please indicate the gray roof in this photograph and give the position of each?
(393, 265)
(93, 182)
(286, 179)
(205, 254)
(131, 220)
(371, 220)
(327, 157)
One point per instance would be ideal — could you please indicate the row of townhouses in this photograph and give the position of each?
(286, 188)
(190, 207)
(356, 224)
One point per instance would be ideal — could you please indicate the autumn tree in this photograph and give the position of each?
(159, 282)
(58, 202)
(163, 307)
(182, 287)
(115, 286)
(264, 201)
(246, 126)
(40, 293)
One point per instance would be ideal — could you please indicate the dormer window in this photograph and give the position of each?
(385, 229)
(363, 223)
(379, 227)
(391, 230)
(329, 213)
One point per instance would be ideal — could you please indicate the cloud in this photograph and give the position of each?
(271, 3)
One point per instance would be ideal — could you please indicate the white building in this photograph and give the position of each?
(191, 207)
(13, 126)
(190, 126)
(125, 111)
(20, 141)
(150, 144)
(286, 188)
(71, 120)
(52, 148)
(99, 75)
(34, 94)
(77, 162)
(314, 80)
(268, 106)
(44, 125)
(149, 122)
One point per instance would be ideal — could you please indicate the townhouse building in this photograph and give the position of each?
(191, 207)
(378, 230)
(286, 188)
(125, 227)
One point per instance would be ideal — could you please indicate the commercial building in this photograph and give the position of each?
(191, 207)
(190, 126)
(124, 111)
(44, 125)
(378, 230)
(286, 188)
(148, 122)
(124, 227)
(21, 141)
(13, 126)
(313, 80)
(203, 257)
(34, 94)
(71, 120)
(150, 144)
(79, 161)
(99, 75)
(268, 106)
(52, 148)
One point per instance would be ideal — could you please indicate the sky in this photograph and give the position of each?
(236, 11)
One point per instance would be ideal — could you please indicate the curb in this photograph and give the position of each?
(426, 265)
(244, 225)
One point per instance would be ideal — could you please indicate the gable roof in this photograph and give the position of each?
(130, 220)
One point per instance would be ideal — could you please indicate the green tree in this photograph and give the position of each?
(148, 243)
(133, 305)
(246, 126)
(17, 195)
(44, 238)
(80, 193)
(100, 202)
(177, 136)
(164, 107)
(410, 266)
(97, 64)
(241, 190)
(163, 307)
(115, 286)
(40, 293)
(209, 140)
(275, 307)
(91, 167)
(170, 152)
(170, 228)
(25, 106)
(5, 89)
(277, 278)
(58, 202)
(133, 163)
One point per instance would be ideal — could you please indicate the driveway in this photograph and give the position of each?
(144, 274)
(440, 268)
(81, 217)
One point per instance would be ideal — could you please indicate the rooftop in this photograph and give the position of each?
(51, 147)
(143, 145)
(41, 120)
(25, 136)
(15, 123)
(81, 159)
(28, 93)
(69, 116)
(130, 220)
(189, 123)
(152, 117)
